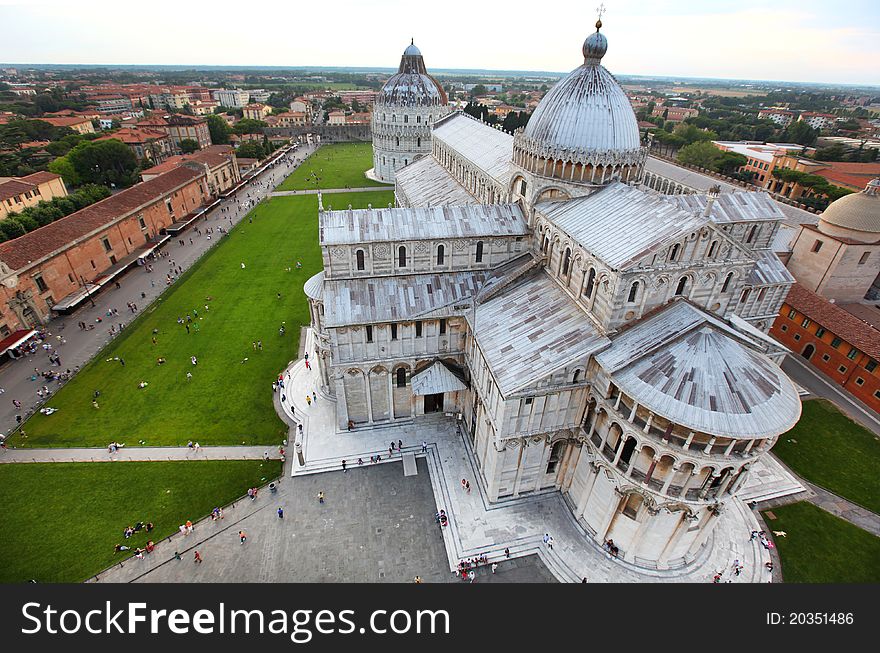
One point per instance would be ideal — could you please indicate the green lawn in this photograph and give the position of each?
(821, 548)
(829, 449)
(341, 165)
(227, 401)
(61, 520)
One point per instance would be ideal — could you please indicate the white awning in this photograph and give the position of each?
(436, 379)
(15, 339)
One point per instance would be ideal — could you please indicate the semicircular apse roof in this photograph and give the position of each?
(708, 382)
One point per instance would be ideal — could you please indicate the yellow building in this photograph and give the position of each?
(80, 125)
(257, 111)
(17, 193)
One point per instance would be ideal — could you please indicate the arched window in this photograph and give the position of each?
(401, 256)
(633, 292)
(479, 258)
(393, 118)
(727, 281)
(405, 118)
(546, 247)
(418, 119)
(752, 233)
(401, 377)
(440, 254)
(591, 282)
(556, 454)
(682, 284)
(419, 141)
(359, 255)
(566, 261)
(576, 377)
(712, 248)
(673, 253)
(397, 141)
(745, 295)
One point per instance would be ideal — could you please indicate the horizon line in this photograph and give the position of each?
(439, 70)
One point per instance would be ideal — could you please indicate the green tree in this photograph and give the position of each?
(11, 228)
(701, 154)
(188, 145)
(249, 126)
(63, 166)
(729, 162)
(692, 134)
(801, 133)
(478, 90)
(104, 162)
(251, 150)
(219, 130)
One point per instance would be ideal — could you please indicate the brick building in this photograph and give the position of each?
(17, 193)
(833, 339)
(179, 127)
(218, 162)
(52, 267)
(148, 145)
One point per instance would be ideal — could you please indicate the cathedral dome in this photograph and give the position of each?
(856, 215)
(587, 110)
(411, 85)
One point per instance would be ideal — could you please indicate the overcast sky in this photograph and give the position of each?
(794, 40)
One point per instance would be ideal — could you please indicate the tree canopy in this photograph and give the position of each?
(188, 145)
(98, 162)
(219, 130)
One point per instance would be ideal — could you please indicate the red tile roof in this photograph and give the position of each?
(835, 319)
(40, 177)
(212, 156)
(853, 175)
(132, 135)
(64, 121)
(13, 187)
(42, 242)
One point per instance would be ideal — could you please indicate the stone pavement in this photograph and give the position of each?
(80, 346)
(325, 191)
(477, 526)
(127, 454)
(375, 526)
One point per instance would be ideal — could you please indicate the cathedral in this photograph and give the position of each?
(584, 332)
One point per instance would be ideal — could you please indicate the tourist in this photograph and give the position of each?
(280, 513)
(494, 567)
(197, 557)
(242, 536)
(320, 497)
(424, 446)
(343, 467)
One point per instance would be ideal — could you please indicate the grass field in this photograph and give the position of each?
(227, 401)
(831, 450)
(821, 548)
(62, 520)
(340, 165)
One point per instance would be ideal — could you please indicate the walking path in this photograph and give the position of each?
(96, 455)
(323, 191)
(851, 512)
(477, 526)
(77, 347)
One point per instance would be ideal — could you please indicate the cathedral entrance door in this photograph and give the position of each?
(434, 403)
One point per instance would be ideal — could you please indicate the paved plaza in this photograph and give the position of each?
(375, 525)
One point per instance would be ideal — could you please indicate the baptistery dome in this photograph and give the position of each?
(406, 107)
(412, 85)
(584, 129)
(855, 216)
